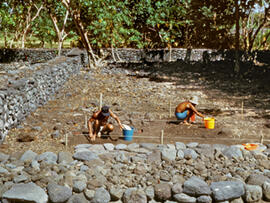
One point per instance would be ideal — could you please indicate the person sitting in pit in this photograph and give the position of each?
(186, 111)
(98, 124)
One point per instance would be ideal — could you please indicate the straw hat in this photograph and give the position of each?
(194, 100)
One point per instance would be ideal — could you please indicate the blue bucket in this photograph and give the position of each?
(128, 134)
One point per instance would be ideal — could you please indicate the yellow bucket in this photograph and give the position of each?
(209, 123)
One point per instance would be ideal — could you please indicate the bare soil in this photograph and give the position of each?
(141, 96)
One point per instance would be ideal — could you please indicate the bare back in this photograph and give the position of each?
(187, 106)
(182, 107)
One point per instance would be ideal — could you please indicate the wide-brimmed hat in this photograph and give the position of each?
(105, 111)
(194, 100)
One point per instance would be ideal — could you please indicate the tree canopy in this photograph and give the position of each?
(137, 23)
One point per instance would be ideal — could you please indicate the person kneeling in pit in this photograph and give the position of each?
(186, 110)
(100, 124)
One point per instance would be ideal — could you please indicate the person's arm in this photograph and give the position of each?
(116, 118)
(195, 110)
(90, 127)
(94, 116)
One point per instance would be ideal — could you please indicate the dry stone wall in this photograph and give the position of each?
(139, 55)
(138, 173)
(20, 96)
(29, 55)
(189, 55)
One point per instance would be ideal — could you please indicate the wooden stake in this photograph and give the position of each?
(242, 109)
(161, 136)
(170, 109)
(100, 101)
(84, 101)
(66, 140)
(262, 136)
(85, 121)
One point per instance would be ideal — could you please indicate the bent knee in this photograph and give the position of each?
(110, 127)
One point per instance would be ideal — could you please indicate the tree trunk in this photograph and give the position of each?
(265, 40)
(14, 39)
(260, 27)
(60, 44)
(85, 39)
(23, 39)
(28, 22)
(114, 59)
(5, 38)
(75, 14)
(60, 33)
(236, 65)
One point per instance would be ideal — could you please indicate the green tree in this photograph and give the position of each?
(22, 15)
(139, 23)
(43, 30)
(161, 23)
(60, 18)
(111, 25)
(29, 10)
(77, 10)
(104, 20)
(255, 23)
(211, 22)
(10, 21)
(6, 22)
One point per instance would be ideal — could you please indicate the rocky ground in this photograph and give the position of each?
(145, 97)
(194, 164)
(138, 173)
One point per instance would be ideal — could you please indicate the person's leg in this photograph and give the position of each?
(107, 129)
(100, 131)
(193, 117)
(181, 116)
(96, 128)
(189, 115)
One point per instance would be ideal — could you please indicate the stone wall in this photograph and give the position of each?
(139, 55)
(21, 96)
(189, 55)
(138, 173)
(162, 55)
(29, 55)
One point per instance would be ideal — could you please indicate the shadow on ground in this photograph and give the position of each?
(252, 84)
